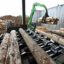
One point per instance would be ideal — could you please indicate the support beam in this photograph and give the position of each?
(23, 11)
(38, 53)
(13, 54)
(3, 48)
(24, 26)
(55, 37)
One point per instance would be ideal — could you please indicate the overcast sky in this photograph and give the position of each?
(14, 7)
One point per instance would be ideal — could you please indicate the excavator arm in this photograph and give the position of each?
(33, 9)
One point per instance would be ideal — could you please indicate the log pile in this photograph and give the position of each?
(2, 26)
(59, 32)
(51, 20)
(9, 49)
(48, 20)
(41, 28)
(9, 18)
(12, 19)
(56, 35)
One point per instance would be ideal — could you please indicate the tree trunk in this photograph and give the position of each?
(3, 48)
(55, 37)
(61, 33)
(13, 54)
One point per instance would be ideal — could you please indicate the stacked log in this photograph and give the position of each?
(39, 54)
(2, 26)
(4, 48)
(48, 20)
(58, 32)
(55, 37)
(61, 29)
(13, 54)
(40, 19)
(41, 28)
(51, 20)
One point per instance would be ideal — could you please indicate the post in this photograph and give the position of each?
(23, 14)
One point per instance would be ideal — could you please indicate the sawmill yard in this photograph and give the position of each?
(37, 38)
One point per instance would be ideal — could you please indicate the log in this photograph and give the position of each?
(61, 33)
(51, 20)
(3, 48)
(61, 29)
(40, 19)
(2, 31)
(41, 28)
(55, 37)
(13, 54)
(39, 54)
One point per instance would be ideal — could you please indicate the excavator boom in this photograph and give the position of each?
(33, 9)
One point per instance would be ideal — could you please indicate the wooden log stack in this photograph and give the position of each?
(58, 32)
(2, 27)
(53, 36)
(41, 28)
(49, 20)
(9, 49)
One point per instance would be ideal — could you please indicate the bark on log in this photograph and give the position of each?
(4, 48)
(61, 33)
(41, 28)
(13, 54)
(39, 54)
(61, 29)
(55, 37)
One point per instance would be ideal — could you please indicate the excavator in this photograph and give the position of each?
(32, 25)
(45, 19)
